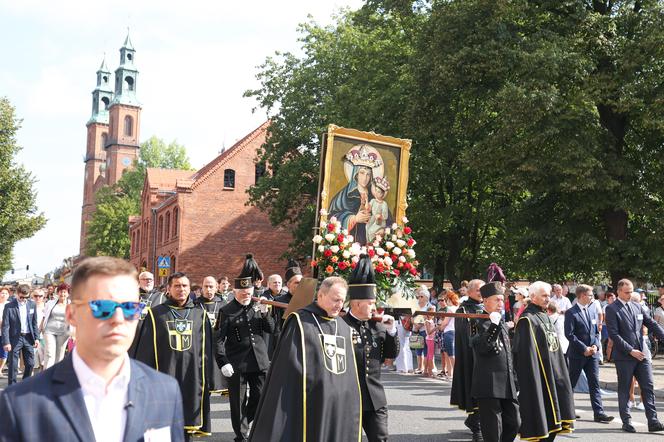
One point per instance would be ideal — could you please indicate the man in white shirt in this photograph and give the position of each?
(97, 393)
(561, 300)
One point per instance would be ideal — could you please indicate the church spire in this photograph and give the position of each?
(101, 95)
(126, 75)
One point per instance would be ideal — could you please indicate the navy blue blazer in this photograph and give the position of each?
(580, 333)
(11, 323)
(50, 405)
(625, 322)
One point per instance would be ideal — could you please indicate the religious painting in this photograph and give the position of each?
(364, 178)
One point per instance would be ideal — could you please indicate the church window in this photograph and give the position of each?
(105, 78)
(137, 243)
(176, 214)
(160, 229)
(172, 264)
(129, 57)
(229, 178)
(167, 227)
(106, 102)
(104, 139)
(128, 123)
(130, 83)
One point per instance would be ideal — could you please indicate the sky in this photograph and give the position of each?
(195, 60)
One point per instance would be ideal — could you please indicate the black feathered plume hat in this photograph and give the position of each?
(495, 273)
(292, 269)
(250, 273)
(361, 282)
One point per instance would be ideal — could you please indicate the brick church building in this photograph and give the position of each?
(200, 220)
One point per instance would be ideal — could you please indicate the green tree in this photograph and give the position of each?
(108, 232)
(19, 218)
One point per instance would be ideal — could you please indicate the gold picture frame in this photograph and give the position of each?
(349, 158)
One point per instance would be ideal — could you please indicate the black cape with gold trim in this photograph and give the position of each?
(309, 395)
(217, 382)
(151, 299)
(462, 381)
(180, 348)
(546, 397)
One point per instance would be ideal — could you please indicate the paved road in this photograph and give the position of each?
(420, 411)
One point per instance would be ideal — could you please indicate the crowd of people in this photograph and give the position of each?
(115, 346)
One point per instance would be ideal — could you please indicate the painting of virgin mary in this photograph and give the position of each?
(351, 204)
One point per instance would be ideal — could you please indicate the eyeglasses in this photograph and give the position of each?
(104, 309)
(147, 279)
(37, 296)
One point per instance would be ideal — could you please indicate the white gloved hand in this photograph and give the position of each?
(227, 370)
(389, 321)
(495, 317)
(263, 307)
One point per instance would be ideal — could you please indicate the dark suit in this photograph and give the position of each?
(241, 333)
(51, 406)
(582, 333)
(625, 322)
(372, 344)
(20, 342)
(494, 382)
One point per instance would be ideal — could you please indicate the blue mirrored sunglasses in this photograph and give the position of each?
(104, 309)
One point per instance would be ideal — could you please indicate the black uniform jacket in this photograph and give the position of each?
(372, 346)
(240, 338)
(493, 372)
(462, 382)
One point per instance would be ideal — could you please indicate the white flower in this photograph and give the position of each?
(410, 253)
(387, 261)
(380, 251)
(394, 238)
(363, 250)
(399, 234)
(334, 249)
(404, 220)
(346, 254)
(402, 258)
(394, 226)
(323, 212)
(376, 243)
(333, 219)
(387, 231)
(396, 251)
(350, 237)
(401, 243)
(330, 237)
(344, 231)
(355, 249)
(338, 224)
(389, 245)
(355, 259)
(317, 239)
(321, 249)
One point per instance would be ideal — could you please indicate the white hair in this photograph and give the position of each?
(422, 290)
(272, 277)
(539, 285)
(142, 274)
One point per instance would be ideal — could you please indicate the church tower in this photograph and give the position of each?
(124, 117)
(95, 155)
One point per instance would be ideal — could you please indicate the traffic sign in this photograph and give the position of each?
(164, 262)
(163, 272)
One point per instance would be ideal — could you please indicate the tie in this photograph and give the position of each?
(585, 312)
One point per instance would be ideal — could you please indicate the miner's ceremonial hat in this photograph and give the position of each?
(292, 269)
(361, 282)
(491, 289)
(250, 273)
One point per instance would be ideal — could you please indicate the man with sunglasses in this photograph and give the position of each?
(97, 392)
(176, 339)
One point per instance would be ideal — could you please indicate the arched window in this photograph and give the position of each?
(176, 215)
(138, 241)
(229, 178)
(167, 227)
(106, 102)
(104, 139)
(260, 171)
(160, 229)
(145, 236)
(172, 264)
(130, 83)
(128, 126)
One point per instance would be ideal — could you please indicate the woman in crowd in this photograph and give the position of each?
(54, 327)
(38, 297)
(448, 336)
(430, 328)
(404, 360)
(522, 301)
(419, 328)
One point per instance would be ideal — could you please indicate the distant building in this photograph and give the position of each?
(113, 131)
(203, 223)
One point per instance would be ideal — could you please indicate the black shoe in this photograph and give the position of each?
(477, 437)
(603, 418)
(657, 426)
(629, 428)
(576, 416)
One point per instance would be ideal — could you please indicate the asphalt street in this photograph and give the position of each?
(420, 411)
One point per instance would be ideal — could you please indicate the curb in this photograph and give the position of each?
(606, 385)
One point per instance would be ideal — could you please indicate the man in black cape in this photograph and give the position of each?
(312, 390)
(212, 303)
(241, 350)
(373, 343)
(494, 383)
(462, 382)
(149, 295)
(546, 397)
(176, 339)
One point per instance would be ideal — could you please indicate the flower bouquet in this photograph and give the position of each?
(336, 253)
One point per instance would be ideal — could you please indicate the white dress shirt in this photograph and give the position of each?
(563, 303)
(105, 405)
(23, 316)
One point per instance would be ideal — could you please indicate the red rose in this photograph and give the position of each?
(314, 263)
(353, 265)
(394, 257)
(371, 253)
(331, 227)
(400, 264)
(407, 230)
(410, 242)
(413, 271)
(327, 253)
(340, 237)
(396, 272)
(329, 269)
(407, 266)
(342, 265)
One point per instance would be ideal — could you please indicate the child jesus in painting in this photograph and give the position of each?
(379, 209)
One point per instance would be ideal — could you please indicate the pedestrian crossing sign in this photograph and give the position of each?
(164, 262)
